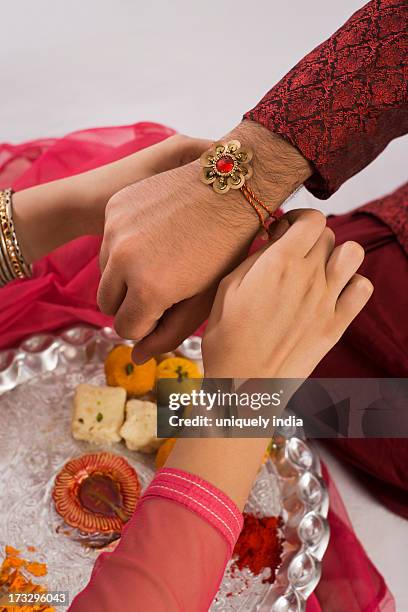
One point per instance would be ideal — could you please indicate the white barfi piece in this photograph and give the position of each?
(98, 413)
(139, 429)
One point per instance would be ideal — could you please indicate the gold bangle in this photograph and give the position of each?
(5, 266)
(12, 261)
(9, 210)
(227, 166)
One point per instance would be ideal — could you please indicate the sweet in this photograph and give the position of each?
(97, 492)
(178, 367)
(98, 413)
(120, 371)
(139, 429)
(176, 375)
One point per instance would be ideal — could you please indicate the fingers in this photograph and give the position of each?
(311, 223)
(175, 325)
(306, 227)
(103, 256)
(353, 299)
(137, 315)
(343, 263)
(292, 234)
(111, 291)
(237, 275)
(323, 248)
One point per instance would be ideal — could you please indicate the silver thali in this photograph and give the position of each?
(37, 381)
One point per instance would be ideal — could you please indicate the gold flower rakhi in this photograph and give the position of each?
(227, 166)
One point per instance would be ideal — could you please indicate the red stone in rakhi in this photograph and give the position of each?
(96, 492)
(225, 164)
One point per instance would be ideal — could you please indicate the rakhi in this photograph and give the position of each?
(228, 166)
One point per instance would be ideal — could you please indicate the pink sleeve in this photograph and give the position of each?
(172, 553)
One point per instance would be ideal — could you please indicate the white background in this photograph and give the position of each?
(193, 65)
(196, 66)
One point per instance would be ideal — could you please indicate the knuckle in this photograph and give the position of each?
(112, 204)
(128, 326)
(102, 296)
(102, 302)
(145, 295)
(120, 253)
(102, 305)
(110, 232)
(119, 202)
(122, 328)
(329, 235)
(316, 217)
(364, 285)
(145, 289)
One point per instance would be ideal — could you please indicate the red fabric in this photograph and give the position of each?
(347, 99)
(392, 209)
(172, 557)
(349, 580)
(169, 559)
(376, 344)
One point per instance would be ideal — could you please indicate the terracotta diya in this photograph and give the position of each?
(96, 492)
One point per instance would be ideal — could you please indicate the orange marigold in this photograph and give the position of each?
(13, 579)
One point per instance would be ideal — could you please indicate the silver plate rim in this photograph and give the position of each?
(43, 352)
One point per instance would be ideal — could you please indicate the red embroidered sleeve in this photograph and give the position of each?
(346, 100)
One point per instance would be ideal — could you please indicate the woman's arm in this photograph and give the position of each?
(173, 553)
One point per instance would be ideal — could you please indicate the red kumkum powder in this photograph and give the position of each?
(259, 545)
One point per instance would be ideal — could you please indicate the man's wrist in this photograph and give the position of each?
(278, 167)
(278, 170)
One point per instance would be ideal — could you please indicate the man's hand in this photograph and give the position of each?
(51, 214)
(170, 239)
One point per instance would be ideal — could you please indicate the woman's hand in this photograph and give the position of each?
(275, 316)
(284, 308)
(52, 214)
